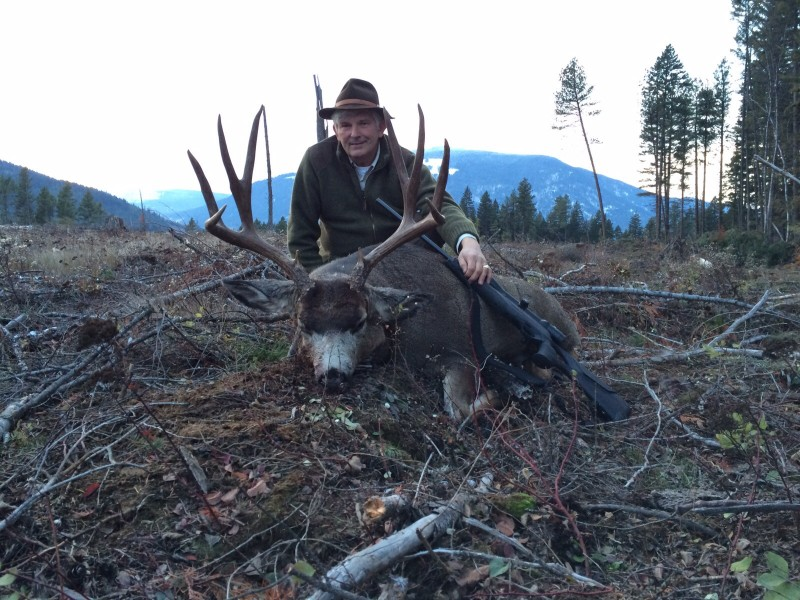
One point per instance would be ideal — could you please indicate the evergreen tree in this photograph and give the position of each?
(635, 230)
(706, 130)
(665, 101)
(89, 211)
(651, 229)
(45, 207)
(468, 205)
(282, 226)
(23, 207)
(487, 215)
(7, 188)
(191, 226)
(558, 219)
(722, 95)
(65, 204)
(595, 227)
(768, 126)
(684, 142)
(573, 105)
(577, 228)
(524, 210)
(506, 221)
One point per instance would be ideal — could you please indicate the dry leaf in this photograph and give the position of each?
(473, 576)
(505, 525)
(258, 489)
(213, 498)
(355, 464)
(230, 496)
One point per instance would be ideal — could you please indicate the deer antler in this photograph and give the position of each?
(241, 189)
(408, 229)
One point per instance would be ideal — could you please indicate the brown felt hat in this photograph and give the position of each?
(356, 94)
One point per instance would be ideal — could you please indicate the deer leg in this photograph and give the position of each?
(461, 394)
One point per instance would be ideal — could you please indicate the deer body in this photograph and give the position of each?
(393, 296)
(413, 295)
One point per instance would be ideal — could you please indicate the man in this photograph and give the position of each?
(334, 210)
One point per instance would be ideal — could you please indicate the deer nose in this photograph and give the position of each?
(333, 380)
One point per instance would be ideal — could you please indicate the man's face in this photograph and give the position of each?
(359, 132)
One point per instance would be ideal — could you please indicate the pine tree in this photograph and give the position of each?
(89, 211)
(635, 230)
(45, 207)
(594, 230)
(23, 207)
(722, 95)
(558, 219)
(7, 187)
(706, 132)
(487, 215)
(191, 226)
(65, 204)
(468, 205)
(573, 104)
(666, 97)
(506, 220)
(525, 210)
(576, 228)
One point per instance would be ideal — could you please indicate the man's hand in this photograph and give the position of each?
(473, 262)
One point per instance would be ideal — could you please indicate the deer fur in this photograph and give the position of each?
(412, 294)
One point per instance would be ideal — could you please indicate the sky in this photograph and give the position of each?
(112, 94)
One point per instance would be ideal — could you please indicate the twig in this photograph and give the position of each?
(421, 477)
(717, 507)
(695, 436)
(14, 341)
(646, 463)
(500, 536)
(55, 483)
(15, 410)
(733, 326)
(650, 512)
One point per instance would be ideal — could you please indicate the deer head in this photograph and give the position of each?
(340, 318)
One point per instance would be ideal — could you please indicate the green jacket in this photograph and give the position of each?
(331, 217)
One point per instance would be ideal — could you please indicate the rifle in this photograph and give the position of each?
(548, 337)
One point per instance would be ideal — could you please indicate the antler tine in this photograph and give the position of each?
(408, 229)
(241, 189)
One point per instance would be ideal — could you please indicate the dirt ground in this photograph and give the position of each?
(159, 444)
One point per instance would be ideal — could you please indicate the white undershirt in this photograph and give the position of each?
(363, 172)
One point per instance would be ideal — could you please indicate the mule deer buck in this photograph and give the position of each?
(390, 296)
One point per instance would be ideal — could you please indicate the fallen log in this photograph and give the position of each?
(362, 565)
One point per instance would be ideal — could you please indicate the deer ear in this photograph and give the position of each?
(395, 305)
(275, 297)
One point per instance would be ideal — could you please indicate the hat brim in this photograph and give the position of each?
(327, 113)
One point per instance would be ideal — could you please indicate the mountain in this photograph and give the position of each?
(496, 173)
(112, 205)
(500, 174)
(281, 194)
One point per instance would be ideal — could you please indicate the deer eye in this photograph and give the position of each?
(359, 326)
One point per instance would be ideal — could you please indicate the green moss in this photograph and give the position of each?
(515, 504)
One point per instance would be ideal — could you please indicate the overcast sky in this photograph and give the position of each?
(112, 94)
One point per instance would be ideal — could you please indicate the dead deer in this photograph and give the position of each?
(391, 296)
